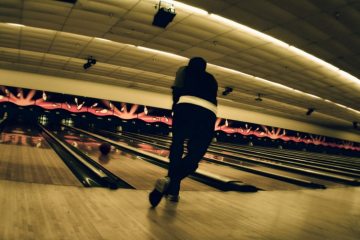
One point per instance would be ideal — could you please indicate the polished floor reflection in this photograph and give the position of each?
(38, 211)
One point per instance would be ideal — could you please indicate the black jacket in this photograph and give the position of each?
(198, 84)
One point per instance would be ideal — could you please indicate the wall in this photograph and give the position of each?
(115, 93)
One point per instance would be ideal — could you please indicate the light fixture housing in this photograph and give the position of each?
(258, 99)
(227, 91)
(90, 61)
(164, 15)
(310, 111)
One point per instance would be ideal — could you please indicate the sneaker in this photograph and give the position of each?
(173, 198)
(161, 186)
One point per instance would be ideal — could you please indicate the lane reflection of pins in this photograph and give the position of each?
(80, 106)
(44, 96)
(146, 110)
(67, 105)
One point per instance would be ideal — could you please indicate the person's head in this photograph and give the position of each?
(197, 63)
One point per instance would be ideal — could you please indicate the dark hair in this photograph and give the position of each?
(197, 64)
(194, 73)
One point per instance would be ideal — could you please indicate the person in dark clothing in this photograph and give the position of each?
(194, 108)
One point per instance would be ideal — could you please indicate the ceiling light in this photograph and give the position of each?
(249, 30)
(340, 105)
(225, 99)
(311, 95)
(103, 39)
(224, 20)
(232, 71)
(189, 8)
(15, 24)
(161, 52)
(349, 77)
(312, 58)
(278, 42)
(298, 51)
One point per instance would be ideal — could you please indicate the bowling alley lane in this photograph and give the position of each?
(261, 182)
(227, 158)
(127, 166)
(27, 157)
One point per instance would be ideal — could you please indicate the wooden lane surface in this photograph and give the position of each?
(225, 171)
(288, 152)
(127, 166)
(39, 211)
(142, 174)
(34, 165)
(315, 155)
(261, 182)
(265, 185)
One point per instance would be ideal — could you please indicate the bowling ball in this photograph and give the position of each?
(105, 148)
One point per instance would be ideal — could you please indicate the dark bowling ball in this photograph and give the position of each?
(105, 148)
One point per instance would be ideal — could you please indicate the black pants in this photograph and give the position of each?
(196, 124)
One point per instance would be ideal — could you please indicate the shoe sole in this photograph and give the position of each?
(172, 198)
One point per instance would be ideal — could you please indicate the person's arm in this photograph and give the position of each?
(214, 86)
(176, 93)
(178, 85)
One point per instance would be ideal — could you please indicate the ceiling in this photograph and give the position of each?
(55, 38)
